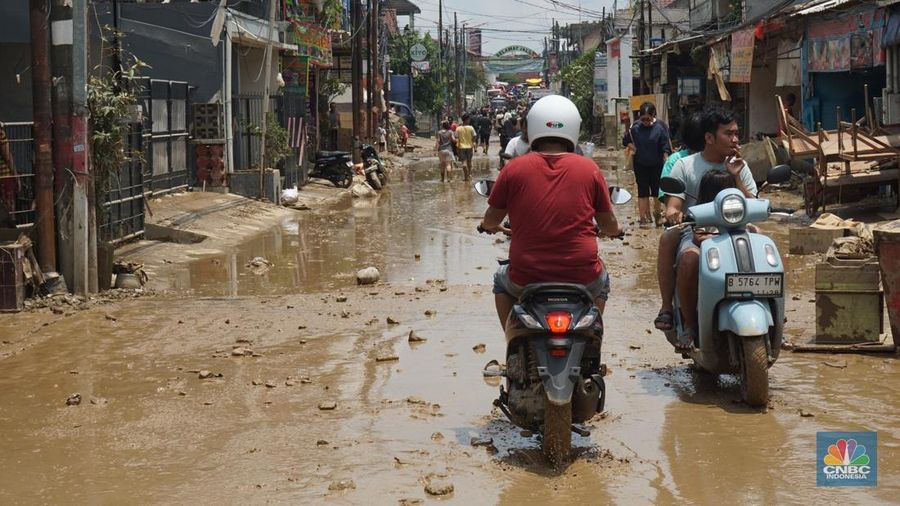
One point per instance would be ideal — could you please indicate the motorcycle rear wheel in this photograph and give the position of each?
(556, 441)
(754, 371)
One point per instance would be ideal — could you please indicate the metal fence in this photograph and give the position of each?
(20, 136)
(166, 131)
(122, 215)
(248, 114)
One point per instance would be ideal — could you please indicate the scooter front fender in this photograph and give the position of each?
(745, 318)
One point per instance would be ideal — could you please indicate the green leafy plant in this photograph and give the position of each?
(277, 146)
(113, 105)
(579, 75)
(428, 92)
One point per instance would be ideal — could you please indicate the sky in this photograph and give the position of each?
(531, 18)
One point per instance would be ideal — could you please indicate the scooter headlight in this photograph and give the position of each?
(733, 209)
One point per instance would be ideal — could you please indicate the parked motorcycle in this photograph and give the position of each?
(554, 374)
(374, 169)
(335, 166)
(741, 289)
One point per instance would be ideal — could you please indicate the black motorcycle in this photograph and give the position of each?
(554, 375)
(374, 169)
(335, 166)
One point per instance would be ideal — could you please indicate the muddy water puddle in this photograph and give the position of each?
(669, 435)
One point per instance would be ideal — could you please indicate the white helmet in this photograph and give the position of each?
(554, 116)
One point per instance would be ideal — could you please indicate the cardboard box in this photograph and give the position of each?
(806, 241)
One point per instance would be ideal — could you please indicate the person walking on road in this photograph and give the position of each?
(444, 146)
(465, 137)
(334, 124)
(648, 139)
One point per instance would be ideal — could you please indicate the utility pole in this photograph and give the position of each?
(642, 35)
(650, 46)
(43, 150)
(373, 66)
(441, 55)
(266, 101)
(356, 73)
(465, 60)
(456, 64)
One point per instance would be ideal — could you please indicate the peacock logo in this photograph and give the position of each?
(846, 452)
(847, 459)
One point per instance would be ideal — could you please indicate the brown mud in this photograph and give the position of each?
(149, 430)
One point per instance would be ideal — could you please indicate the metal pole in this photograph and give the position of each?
(265, 104)
(441, 56)
(456, 62)
(356, 72)
(43, 149)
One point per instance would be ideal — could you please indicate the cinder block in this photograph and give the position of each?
(806, 241)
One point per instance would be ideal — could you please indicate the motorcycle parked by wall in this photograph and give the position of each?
(335, 166)
(741, 289)
(554, 374)
(373, 167)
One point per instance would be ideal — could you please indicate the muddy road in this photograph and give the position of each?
(308, 394)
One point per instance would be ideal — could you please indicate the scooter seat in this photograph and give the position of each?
(331, 154)
(555, 288)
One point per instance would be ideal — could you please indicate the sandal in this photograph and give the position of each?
(665, 320)
(684, 343)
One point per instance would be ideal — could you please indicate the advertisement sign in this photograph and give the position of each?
(312, 40)
(295, 72)
(418, 52)
(742, 43)
(601, 85)
(423, 67)
(848, 42)
(474, 42)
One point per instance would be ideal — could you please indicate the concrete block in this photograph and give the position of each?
(806, 241)
(246, 184)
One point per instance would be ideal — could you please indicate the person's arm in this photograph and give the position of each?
(609, 224)
(665, 144)
(493, 221)
(674, 205)
(626, 139)
(743, 178)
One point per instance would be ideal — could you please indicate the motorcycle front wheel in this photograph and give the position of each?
(374, 181)
(556, 441)
(754, 371)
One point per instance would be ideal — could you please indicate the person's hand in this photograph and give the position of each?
(493, 230)
(620, 232)
(674, 217)
(735, 163)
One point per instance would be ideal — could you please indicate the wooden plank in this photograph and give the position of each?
(857, 178)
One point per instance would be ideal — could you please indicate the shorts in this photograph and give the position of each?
(484, 138)
(687, 243)
(445, 156)
(647, 179)
(465, 154)
(599, 288)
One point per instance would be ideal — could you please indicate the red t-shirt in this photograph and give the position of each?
(551, 201)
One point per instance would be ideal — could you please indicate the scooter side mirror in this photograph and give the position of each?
(483, 187)
(619, 195)
(779, 174)
(671, 185)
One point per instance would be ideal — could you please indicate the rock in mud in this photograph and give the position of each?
(99, 401)
(73, 400)
(321, 442)
(341, 298)
(479, 348)
(430, 312)
(837, 364)
(481, 441)
(805, 414)
(416, 338)
(415, 400)
(387, 358)
(437, 436)
(392, 321)
(368, 276)
(439, 486)
(408, 501)
(270, 384)
(341, 485)
(328, 406)
(240, 352)
(204, 374)
(362, 191)
(259, 266)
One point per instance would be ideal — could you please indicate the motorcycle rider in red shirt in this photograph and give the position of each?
(553, 196)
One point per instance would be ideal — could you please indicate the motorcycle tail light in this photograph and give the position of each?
(558, 321)
(559, 352)
(586, 321)
(529, 321)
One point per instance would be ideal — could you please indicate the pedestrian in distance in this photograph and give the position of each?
(466, 138)
(649, 141)
(334, 124)
(444, 146)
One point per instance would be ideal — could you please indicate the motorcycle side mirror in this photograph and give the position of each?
(483, 187)
(671, 185)
(619, 195)
(779, 174)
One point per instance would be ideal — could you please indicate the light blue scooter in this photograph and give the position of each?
(741, 289)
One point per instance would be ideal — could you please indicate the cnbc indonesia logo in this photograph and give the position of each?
(847, 461)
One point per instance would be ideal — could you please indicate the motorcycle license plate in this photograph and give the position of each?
(754, 285)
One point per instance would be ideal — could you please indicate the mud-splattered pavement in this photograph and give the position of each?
(292, 387)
